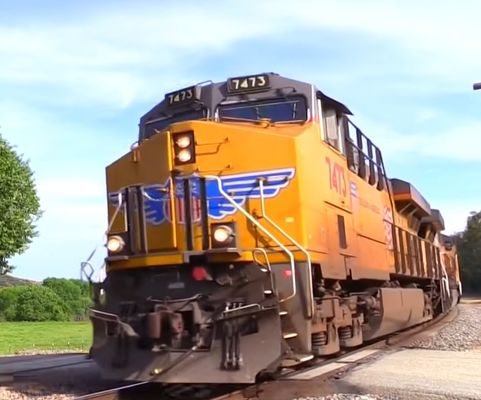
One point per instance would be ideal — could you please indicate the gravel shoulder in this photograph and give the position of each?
(441, 364)
(63, 383)
(461, 334)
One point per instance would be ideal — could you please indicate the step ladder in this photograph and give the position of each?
(292, 358)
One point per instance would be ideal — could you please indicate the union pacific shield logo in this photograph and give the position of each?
(240, 187)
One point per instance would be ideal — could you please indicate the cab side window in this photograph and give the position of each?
(332, 128)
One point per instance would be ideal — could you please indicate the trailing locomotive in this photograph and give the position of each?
(252, 227)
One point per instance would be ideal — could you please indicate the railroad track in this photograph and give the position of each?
(18, 367)
(157, 391)
(320, 369)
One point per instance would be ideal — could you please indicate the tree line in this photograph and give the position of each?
(468, 244)
(55, 299)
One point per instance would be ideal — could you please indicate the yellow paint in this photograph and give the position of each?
(308, 209)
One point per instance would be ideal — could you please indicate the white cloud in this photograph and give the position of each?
(426, 114)
(73, 206)
(121, 54)
(459, 142)
(70, 188)
(124, 53)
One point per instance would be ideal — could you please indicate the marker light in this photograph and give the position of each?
(183, 141)
(222, 233)
(115, 244)
(200, 274)
(184, 155)
(287, 273)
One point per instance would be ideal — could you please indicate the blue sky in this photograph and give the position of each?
(75, 77)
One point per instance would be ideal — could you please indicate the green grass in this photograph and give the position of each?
(31, 337)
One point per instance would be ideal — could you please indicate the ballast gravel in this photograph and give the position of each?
(461, 334)
(347, 396)
(29, 392)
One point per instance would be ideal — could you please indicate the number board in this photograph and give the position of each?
(248, 83)
(182, 97)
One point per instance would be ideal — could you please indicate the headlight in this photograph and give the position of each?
(222, 233)
(183, 141)
(184, 155)
(184, 147)
(115, 244)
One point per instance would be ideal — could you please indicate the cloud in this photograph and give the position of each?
(73, 223)
(459, 142)
(116, 55)
(73, 205)
(70, 188)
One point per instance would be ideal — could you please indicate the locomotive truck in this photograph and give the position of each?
(253, 227)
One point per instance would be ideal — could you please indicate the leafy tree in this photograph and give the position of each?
(469, 253)
(83, 286)
(73, 292)
(8, 302)
(31, 303)
(39, 303)
(56, 299)
(19, 205)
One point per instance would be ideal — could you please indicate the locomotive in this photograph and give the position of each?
(253, 227)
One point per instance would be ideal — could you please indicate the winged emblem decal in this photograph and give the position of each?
(243, 186)
(240, 187)
(155, 202)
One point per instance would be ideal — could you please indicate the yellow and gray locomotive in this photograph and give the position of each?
(252, 227)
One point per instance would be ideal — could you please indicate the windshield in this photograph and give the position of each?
(276, 110)
(159, 124)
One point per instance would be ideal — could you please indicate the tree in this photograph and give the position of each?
(19, 205)
(32, 303)
(468, 244)
(8, 302)
(38, 303)
(74, 294)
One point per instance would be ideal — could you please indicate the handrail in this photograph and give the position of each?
(445, 280)
(263, 230)
(268, 264)
(264, 252)
(87, 263)
(290, 238)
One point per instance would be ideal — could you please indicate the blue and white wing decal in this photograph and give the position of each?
(156, 199)
(242, 186)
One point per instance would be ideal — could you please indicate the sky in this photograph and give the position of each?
(75, 77)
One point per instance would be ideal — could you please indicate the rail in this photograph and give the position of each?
(263, 230)
(111, 394)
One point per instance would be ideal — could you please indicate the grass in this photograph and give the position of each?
(41, 337)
